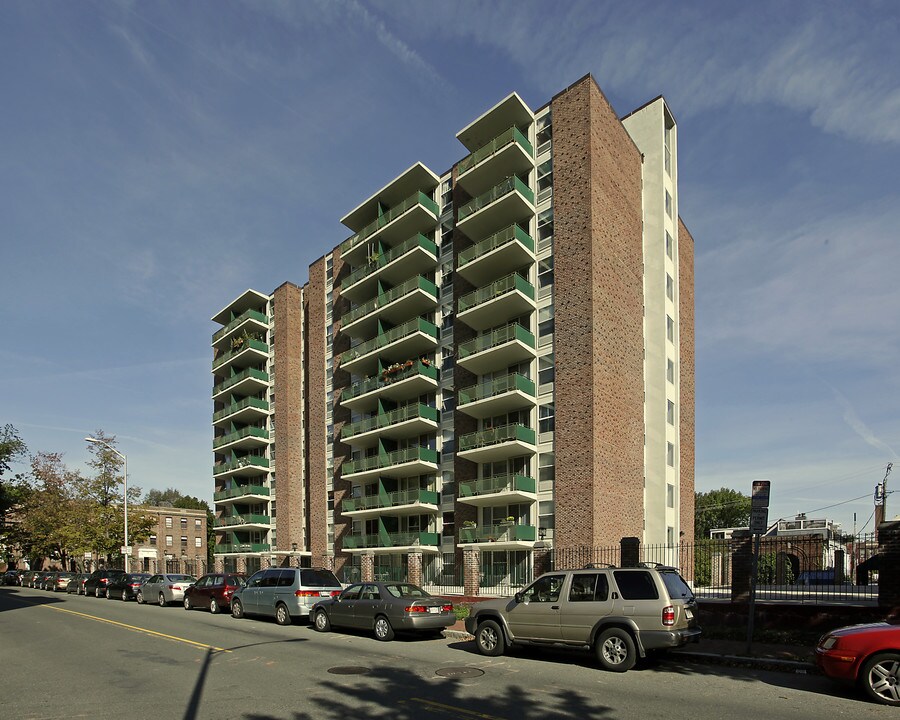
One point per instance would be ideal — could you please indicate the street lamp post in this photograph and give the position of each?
(127, 550)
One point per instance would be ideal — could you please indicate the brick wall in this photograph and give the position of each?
(686, 379)
(316, 442)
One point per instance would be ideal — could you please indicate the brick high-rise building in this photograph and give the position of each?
(500, 358)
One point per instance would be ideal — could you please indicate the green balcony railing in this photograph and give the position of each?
(246, 461)
(498, 533)
(388, 378)
(398, 333)
(416, 241)
(418, 198)
(246, 432)
(509, 185)
(394, 417)
(238, 406)
(497, 484)
(352, 542)
(389, 500)
(497, 386)
(260, 375)
(513, 135)
(243, 519)
(487, 340)
(240, 319)
(241, 491)
(416, 283)
(503, 286)
(398, 457)
(241, 547)
(507, 235)
(248, 345)
(494, 436)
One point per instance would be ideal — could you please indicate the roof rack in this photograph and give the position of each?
(596, 565)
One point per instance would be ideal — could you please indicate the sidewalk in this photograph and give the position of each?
(762, 656)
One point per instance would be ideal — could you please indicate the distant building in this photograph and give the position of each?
(177, 542)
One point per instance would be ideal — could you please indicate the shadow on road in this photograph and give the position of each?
(11, 598)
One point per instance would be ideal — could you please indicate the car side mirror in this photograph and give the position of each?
(519, 597)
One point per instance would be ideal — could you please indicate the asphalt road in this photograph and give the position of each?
(64, 656)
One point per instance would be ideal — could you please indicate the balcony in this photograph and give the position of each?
(418, 213)
(498, 348)
(505, 251)
(414, 256)
(247, 466)
(409, 381)
(509, 202)
(247, 410)
(506, 155)
(498, 490)
(252, 352)
(495, 444)
(397, 464)
(402, 502)
(250, 320)
(503, 299)
(247, 382)
(404, 422)
(416, 296)
(241, 548)
(244, 520)
(391, 540)
(497, 397)
(248, 437)
(411, 339)
(500, 537)
(250, 492)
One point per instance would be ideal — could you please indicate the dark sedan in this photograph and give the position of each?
(385, 608)
(98, 580)
(125, 587)
(213, 591)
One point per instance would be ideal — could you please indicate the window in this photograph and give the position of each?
(545, 325)
(168, 522)
(670, 329)
(198, 542)
(198, 522)
(670, 536)
(546, 418)
(545, 589)
(670, 495)
(449, 521)
(546, 373)
(670, 455)
(153, 539)
(589, 588)
(668, 150)
(544, 180)
(636, 585)
(668, 204)
(545, 228)
(184, 541)
(168, 541)
(670, 371)
(545, 276)
(670, 412)
(669, 244)
(546, 471)
(547, 514)
(184, 523)
(670, 287)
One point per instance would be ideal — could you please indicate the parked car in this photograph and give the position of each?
(165, 589)
(59, 581)
(12, 577)
(76, 583)
(284, 593)
(867, 655)
(213, 591)
(98, 580)
(28, 578)
(385, 608)
(125, 587)
(44, 580)
(621, 613)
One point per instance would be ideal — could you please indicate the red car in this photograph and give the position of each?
(868, 655)
(213, 591)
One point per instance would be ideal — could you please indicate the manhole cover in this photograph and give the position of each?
(348, 670)
(459, 672)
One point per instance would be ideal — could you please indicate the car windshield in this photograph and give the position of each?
(402, 590)
(181, 578)
(319, 578)
(677, 587)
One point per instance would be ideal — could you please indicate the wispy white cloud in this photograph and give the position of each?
(859, 427)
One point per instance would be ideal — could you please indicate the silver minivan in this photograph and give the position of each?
(284, 593)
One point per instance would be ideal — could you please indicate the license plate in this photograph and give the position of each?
(434, 610)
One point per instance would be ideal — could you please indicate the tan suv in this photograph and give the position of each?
(619, 612)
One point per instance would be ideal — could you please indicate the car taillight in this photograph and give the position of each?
(103, 581)
(306, 593)
(668, 615)
(446, 608)
(172, 587)
(416, 609)
(335, 593)
(135, 585)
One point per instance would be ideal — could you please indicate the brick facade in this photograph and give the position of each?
(686, 382)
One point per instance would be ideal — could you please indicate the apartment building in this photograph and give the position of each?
(496, 362)
(177, 541)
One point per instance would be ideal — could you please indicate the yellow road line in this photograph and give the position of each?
(135, 628)
(458, 710)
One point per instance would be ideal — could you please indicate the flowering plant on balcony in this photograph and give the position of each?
(469, 524)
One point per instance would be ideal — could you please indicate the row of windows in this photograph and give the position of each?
(198, 542)
(184, 522)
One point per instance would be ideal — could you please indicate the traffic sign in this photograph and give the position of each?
(759, 520)
(759, 497)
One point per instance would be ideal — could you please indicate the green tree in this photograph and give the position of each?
(722, 508)
(13, 490)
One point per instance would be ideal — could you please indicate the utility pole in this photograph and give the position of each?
(881, 493)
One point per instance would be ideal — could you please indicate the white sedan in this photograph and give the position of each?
(165, 589)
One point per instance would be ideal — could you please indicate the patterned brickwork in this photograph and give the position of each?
(686, 379)
(598, 297)
(316, 442)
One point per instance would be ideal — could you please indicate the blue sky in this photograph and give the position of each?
(161, 157)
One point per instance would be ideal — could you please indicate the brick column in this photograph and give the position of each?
(541, 558)
(414, 568)
(218, 564)
(368, 567)
(889, 572)
(242, 564)
(839, 567)
(328, 561)
(471, 571)
(741, 567)
(631, 551)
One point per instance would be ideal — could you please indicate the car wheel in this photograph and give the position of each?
(237, 609)
(880, 678)
(282, 616)
(383, 629)
(213, 606)
(615, 650)
(124, 596)
(108, 594)
(321, 621)
(98, 592)
(489, 638)
(187, 603)
(139, 598)
(162, 600)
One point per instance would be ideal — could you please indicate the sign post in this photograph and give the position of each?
(759, 518)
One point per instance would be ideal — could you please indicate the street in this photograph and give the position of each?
(65, 656)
